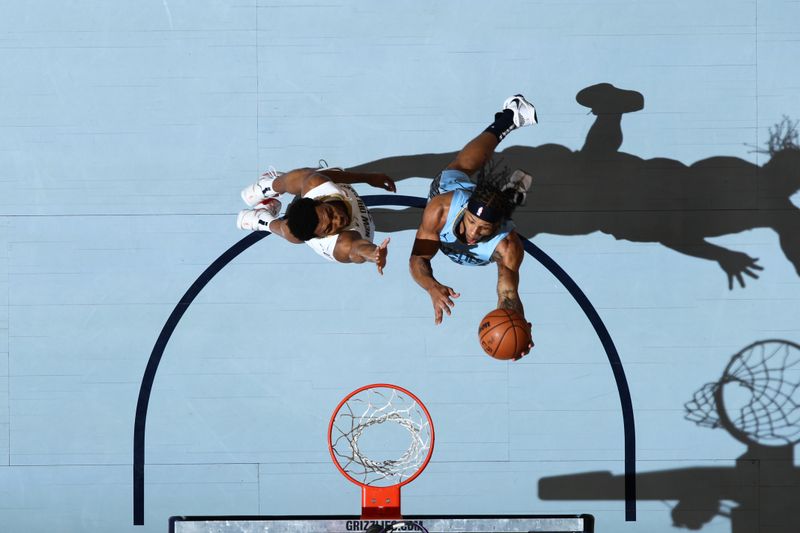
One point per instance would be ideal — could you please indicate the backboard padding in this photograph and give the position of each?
(343, 524)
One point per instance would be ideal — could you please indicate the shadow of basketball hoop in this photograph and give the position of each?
(757, 401)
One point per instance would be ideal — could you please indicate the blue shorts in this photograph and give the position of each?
(450, 180)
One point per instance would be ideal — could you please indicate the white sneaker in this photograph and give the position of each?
(261, 190)
(524, 112)
(259, 219)
(520, 182)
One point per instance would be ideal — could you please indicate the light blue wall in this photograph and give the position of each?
(127, 130)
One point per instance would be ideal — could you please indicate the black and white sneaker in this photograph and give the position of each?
(520, 182)
(524, 112)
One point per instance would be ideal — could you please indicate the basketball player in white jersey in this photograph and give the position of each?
(328, 215)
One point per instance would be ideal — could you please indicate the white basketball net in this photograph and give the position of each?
(366, 410)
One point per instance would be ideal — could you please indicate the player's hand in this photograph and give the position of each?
(381, 252)
(737, 263)
(382, 181)
(442, 297)
(530, 345)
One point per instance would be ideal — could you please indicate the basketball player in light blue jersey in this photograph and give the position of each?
(471, 224)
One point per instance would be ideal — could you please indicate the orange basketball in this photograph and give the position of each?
(504, 334)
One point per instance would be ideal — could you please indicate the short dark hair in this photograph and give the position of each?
(302, 218)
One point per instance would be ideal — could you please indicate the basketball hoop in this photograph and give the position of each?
(369, 409)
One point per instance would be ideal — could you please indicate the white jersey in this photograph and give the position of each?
(360, 218)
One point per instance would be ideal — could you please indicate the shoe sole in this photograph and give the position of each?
(240, 219)
(526, 181)
(257, 195)
(246, 193)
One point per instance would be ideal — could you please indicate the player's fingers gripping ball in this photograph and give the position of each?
(504, 334)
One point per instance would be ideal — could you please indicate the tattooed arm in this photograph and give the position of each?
(508, 255)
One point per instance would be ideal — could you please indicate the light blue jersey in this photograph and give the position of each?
(458, 251)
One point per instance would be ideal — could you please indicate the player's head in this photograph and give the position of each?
(302, 219)
(487, 209)
(332, 217)
(309, 218)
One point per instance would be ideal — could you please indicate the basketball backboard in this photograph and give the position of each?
(424, 523)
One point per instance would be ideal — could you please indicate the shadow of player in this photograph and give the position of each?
(660, 200)
(756, 401)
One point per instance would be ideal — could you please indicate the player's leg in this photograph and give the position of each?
(516, 113)
(608, 104)
(475, 154)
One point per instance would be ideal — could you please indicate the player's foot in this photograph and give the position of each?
(259, 219)
(520, 182)
(261, 190)
(524, 112)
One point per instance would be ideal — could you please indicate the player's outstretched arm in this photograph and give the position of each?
(426, 244)
(732, 262)
(351, 248)
(292, 182)
(377, 180)
(508, 255)
(301, 180)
